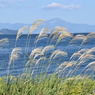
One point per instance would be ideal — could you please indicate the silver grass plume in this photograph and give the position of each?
(56, 31)
(36, 51)
(91, 63)
(74, 55)
(77, 37)
(90, 35)
(60, 53)
(35, 25)
(3, 41)
(14, 55)
(62, 65)
(66, 64)
(19, 33)
(86, 57)
(83, 51)
(43, 34)
(40, 59)
(50, 47)
(63, 35)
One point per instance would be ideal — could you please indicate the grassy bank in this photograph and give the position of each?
(47, 86)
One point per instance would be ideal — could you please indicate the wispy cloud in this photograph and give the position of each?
(21, 0)
(9, 3)
(5, 3)
(60, 6)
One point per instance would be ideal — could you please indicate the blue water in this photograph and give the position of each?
(19, 65)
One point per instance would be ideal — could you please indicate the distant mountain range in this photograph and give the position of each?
(7, 28)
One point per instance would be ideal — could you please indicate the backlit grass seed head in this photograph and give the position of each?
(66, 64)
(62, 65)
(91, 50)
(83, 51)
(63, 35)
(86, 57)
(50, 47)
(90, 35)
(42, 35)
(43, 32)
(3, 41)
(37, 55)
(14, 55)
(41, 59)
(35, 25)
(60, 53)
(77, 54)
(19, 33)
(35, 51)
(91, 63)
(57, 30)
(54, 53)
(77, 37)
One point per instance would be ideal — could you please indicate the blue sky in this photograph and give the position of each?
(26, 11)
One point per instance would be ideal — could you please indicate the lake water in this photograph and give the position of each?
(18, 66)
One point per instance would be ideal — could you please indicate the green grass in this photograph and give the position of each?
(47, 86)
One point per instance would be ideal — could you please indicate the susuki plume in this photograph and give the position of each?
(14, 55)
(56, 31)
(63, 35)
(77, 37)
(90, 35)
(35, 51)
(60, 53)
(41, 59)
(2, 41)
(20, 31)
(34, 25)
(50, 47)
(43, 34)
(77, 54)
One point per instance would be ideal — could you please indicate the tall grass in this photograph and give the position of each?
(66, 77)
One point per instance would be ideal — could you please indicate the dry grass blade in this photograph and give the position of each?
(86, 56)
(36, 55)
(60, 53)
(91, 63)
(35, 25)
(50, 47)
(3, 41)
(35, 51)
(43, 34)
(90, 35)
(40, 59)
(83, 51)
(63, 35)
(14, 55)
(62, 65)
(77, 37)
(20, 31)
(66, 64)
(91, 50)
(57, 29)
(54, 53)
(56, 32)
(77, 54)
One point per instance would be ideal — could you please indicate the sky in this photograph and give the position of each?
(27, 11)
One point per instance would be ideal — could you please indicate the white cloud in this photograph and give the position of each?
(60, 6)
